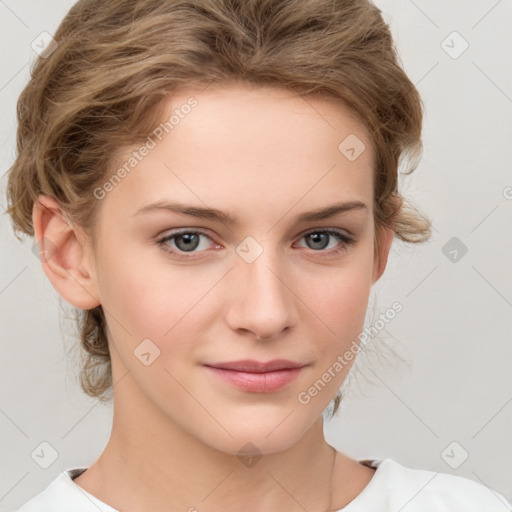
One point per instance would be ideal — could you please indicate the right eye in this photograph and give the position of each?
(183, 242)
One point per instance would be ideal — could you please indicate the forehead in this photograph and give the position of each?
(251, 146)
(264, 116)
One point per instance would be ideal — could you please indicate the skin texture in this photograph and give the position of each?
(266, 155)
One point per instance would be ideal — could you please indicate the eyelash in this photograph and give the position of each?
(346, 242)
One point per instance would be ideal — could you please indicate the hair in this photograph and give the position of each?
(115, 63)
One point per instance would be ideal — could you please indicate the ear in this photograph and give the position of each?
(65, 253)
(382, 248)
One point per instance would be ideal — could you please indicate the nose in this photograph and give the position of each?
(263, 303)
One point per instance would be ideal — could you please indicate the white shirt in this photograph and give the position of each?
(392, 488)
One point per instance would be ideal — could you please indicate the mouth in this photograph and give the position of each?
(255, 376)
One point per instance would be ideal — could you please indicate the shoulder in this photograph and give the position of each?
(420, 490)
(62, 495)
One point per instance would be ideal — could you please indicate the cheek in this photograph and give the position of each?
(340, 299)
(157, 301)
(137, 295)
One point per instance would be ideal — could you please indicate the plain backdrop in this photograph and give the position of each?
(448, 406)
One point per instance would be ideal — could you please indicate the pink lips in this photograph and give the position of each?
(258, 377)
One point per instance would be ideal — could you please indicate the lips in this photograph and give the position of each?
(251, 366)
(255, 376)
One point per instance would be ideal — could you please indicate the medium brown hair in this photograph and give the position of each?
(116, 62)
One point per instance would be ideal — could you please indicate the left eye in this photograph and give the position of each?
(189, 241)
(319, 239)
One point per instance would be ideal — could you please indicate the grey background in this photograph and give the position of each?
(454, 332)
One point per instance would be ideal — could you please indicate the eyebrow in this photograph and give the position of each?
(231, 219)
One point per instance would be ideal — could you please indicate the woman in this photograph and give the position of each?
(213, 185)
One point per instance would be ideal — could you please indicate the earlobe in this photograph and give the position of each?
(386, 237)
(63, 254)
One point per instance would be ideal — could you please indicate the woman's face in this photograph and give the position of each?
(267, 286)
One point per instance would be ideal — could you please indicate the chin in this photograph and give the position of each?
(267, 433)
